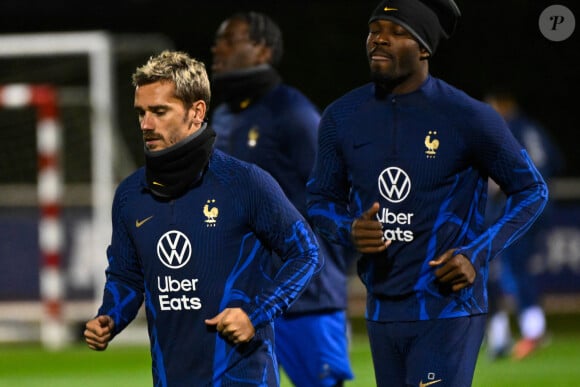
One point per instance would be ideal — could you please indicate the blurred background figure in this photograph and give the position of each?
(510, 273)
(261, 120)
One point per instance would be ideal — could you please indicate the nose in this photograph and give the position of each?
(146, 121)
(219, 41)
(217, 47)
(382, 40)
(379, 39)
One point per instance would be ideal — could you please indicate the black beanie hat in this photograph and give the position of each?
(427, 20)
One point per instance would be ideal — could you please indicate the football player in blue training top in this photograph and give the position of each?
(261, 120)
(190, 230)
(511, 275)
(401, 174)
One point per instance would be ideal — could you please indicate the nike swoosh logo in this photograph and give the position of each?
(159, 184)
(387, 9)
(139, 223)
(421, 384)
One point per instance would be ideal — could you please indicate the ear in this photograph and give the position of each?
(423, 53)
(264, 54)
(197, 113)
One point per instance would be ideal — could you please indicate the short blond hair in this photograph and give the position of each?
(189, 75)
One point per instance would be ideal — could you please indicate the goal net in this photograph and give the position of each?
(70, 135)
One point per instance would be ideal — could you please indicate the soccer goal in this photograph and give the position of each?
(65, 152)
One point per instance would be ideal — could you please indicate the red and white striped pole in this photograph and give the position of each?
(53, 332)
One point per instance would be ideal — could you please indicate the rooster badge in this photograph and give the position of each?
(210, 213)
(431, 144)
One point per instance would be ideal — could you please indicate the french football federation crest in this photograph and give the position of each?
(211, 214)
(432, 144)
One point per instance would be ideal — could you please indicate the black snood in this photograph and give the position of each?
(172, 171)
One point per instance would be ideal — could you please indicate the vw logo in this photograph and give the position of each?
(394, 184)
(174, 249)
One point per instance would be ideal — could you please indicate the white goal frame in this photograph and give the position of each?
(50, 231)
(102, 49)
(98, 46)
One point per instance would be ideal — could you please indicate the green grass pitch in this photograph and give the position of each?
(556, 365)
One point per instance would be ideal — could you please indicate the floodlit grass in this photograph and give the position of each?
(557, 365)
(31, 366)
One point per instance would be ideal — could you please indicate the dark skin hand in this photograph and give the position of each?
(455, 271)
(367, 232)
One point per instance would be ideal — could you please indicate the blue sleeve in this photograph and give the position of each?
(328, 188)
(298, 130)
(123, 293)
(282, 229)
(501, 157)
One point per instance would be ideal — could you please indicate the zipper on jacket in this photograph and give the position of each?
(172, 211)
(395, 138)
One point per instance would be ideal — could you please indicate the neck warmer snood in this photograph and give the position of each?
(172, 171)
(240, 88)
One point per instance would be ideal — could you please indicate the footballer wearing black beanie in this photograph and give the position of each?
(427, 20)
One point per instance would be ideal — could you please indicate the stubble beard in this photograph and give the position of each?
(385, 81)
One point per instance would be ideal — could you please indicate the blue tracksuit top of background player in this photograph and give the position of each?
(538, 143)
(546, 156)
(191, 257)
(425, 157)
(515, 277)
(277, 132)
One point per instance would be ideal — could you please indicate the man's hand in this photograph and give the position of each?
(233, 324)
(455, 271)
(98, 332)
(367, 232)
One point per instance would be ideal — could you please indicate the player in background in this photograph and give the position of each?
(511, 274)
(190, 231)
(401, 175)
(264, 121)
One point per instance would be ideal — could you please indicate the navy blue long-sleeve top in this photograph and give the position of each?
(191, 257)
(278, 132)
(425, 157)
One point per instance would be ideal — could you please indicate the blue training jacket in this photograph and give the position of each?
(425, 157)
(191, 257)
(278, 133)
